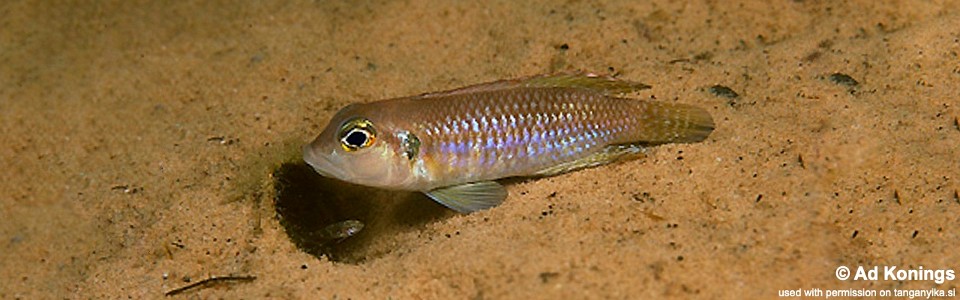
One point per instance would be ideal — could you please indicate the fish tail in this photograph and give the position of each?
(662, 122)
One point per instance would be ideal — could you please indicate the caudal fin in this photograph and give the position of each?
(674, 123)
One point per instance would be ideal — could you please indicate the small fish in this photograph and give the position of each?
(341, 230)
(453, 145)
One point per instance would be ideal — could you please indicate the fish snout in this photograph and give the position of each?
(319, 162)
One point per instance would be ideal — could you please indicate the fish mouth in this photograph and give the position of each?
(321, 163)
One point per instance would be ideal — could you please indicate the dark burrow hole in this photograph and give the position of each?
(309, 205)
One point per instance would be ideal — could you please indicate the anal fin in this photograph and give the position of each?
(610, 154)
(470, 197)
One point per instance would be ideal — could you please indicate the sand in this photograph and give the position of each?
(149, 146)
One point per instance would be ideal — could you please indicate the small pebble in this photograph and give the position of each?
(843, 79)
(722, 91)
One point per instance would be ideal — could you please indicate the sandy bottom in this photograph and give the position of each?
(146, 148)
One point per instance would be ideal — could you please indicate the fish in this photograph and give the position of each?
(454, 145)
(340, 230)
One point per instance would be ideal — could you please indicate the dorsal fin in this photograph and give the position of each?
(605, 85)
(602, 84)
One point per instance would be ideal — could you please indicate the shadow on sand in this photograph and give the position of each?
(308, 205)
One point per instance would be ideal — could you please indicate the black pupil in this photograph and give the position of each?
(356, 138)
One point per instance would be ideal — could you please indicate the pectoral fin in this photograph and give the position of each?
(470, 197)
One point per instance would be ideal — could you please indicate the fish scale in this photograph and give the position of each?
(452, 145)
(553, 137)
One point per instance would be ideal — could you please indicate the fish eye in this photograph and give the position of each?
(356, 134)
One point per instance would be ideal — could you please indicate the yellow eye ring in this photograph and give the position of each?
(356, 134)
